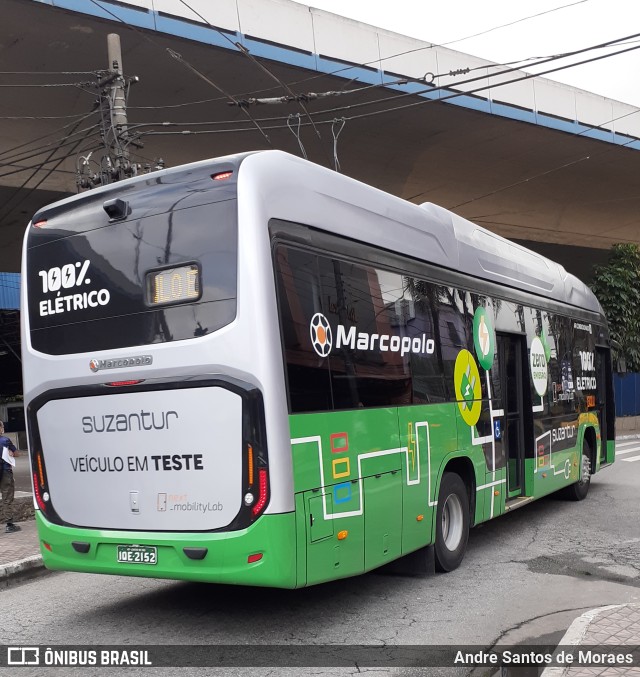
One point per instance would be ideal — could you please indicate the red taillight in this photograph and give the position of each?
(221, 176)
(254, 558)
(36, 489)
(39, 224)
(262, 499)
(115, 384)
(47, 546)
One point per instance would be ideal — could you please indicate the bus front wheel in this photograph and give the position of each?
(452, 522)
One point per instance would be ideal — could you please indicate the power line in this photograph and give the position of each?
(261, 66)
(6, 210)
(34, 152)
(203, 77)
(537, 176)
(47, 72)
(48, 86)
(496, 28)
(82, 116)
(16, 161)
(527, 76)
(66, 140)
(432, 89)
(40, 117)
(392, 56)
(244, 95)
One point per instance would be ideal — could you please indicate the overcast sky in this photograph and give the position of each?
(578, 24)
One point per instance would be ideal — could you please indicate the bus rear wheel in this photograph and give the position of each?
(579, 490)
(452, 522)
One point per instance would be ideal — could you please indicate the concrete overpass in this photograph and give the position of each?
(548, 165)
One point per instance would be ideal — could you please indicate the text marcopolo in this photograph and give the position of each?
(363, 340)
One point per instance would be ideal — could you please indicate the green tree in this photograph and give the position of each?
(617, 286)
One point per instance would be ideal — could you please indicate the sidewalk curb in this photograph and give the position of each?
(575, 633)
(24, 569)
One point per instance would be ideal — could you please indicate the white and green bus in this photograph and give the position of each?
(254, 370)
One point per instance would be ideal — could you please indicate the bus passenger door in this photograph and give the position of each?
(510, 353)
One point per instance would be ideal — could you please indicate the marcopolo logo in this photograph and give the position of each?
(321, 336)
(120, 363)
(322, 339)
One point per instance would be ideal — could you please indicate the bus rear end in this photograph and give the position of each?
(146, 419)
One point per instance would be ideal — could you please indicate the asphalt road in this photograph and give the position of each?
(525, 578)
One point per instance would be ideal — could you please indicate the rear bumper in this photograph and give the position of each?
(273, 536)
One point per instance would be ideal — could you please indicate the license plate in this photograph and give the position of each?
(137, 554)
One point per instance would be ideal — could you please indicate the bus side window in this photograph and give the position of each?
(366, 307)
(298, 291)
(436, 317)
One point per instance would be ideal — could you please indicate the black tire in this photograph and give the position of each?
(579, 490)
(452, 522)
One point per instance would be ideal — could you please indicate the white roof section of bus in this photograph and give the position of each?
(307, 193)
(319, 37)
(297, 190)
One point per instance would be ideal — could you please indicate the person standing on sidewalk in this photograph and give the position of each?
(7, 483)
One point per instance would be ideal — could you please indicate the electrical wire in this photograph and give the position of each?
(40, 117)
(6, 209)
(430, 89)
(456, 94)
(183, 61)
(244, 95)
(261, 66)
(527, 76)
(384, 100)
(336, 110)
(81, 117)
(50, 72)
(368, 63)
(48, 86)
(511, 23)
(537, 176)
(34, 152)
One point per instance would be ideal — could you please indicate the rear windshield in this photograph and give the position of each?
(161, 275)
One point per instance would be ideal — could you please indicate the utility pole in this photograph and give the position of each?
(115, 163)
(118, 107)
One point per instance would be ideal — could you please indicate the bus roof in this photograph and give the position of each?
(427, 232)
(302, 191)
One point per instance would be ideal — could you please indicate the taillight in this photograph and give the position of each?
(255, 461)
(40, 487)
(118, 384)
(263, 495)
(36, 489)
(221, 176)
(256, 495)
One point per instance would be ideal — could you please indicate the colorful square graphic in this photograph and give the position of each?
(339, 442)
(343, 473)
(342, 492)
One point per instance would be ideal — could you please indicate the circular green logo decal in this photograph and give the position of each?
(484, 338)
(468, 388)
(538, 363)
